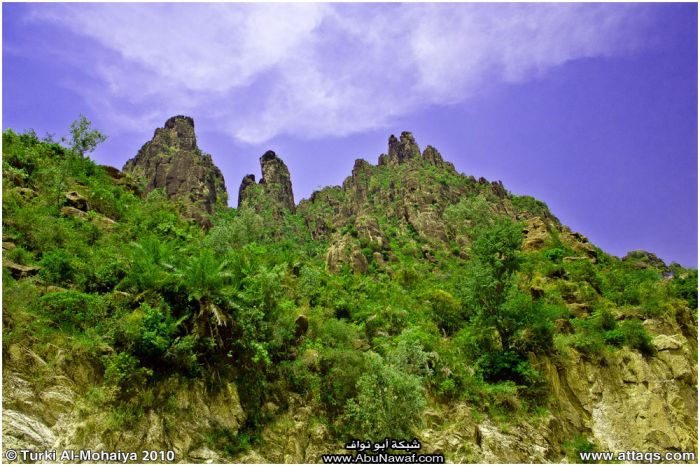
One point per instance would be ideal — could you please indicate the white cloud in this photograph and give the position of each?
(326, 69)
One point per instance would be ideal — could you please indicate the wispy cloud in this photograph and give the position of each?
(257, 71)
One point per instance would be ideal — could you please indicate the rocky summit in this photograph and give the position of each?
(172, 161)
(411, 302)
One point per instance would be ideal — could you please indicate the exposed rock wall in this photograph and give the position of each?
(48, 405)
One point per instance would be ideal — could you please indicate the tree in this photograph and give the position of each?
(84, 139)
(389, 402)
(489, 276)
(205, 278)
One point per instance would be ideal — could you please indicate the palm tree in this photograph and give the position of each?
(205, 278)
(150, 266)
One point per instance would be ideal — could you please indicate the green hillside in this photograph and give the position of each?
(409, 290)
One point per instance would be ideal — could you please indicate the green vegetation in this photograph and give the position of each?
(153, 295)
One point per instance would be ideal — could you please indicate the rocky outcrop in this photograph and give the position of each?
(172, 161)
(76, 200)
(405, 189)
(644, 259)
(345, 251)
(400, 150)
(18, 270)
(432, 156)
(248, 180)
(276, 185)
(276, 180)
(357, 185)
(536, 234)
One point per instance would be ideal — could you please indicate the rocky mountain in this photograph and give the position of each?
(412, 301)
(172, 161)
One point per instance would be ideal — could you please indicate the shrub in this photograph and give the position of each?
(389, 402)
(77, 309)
(57, 267)
(337, 333)
(504, 366)
(19, 255)
(554, 254)
(447, 311)
(147, 332)
(409, 357)
(340, 371)
(579, 444)
(636, 337)
(182, 355)
(124, 371)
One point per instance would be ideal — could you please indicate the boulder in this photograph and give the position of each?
(276, 186)
(18, 270)
(68, 211)
(76, 200)
(536, 234)
(25, 193)
(248, 180)
(400, 150)
(432, 155)
(112, 172)
(498, 189)
(357, 184)
(667, 342)
(301, 325)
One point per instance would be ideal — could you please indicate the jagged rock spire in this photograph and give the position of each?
(172, 161)
(400, 150)
(275, 181)
(248, 180)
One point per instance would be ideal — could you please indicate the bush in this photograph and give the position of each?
(636, 336)
(447, 311)
(77, 309)
(19, 255)
(57, 267)
(182, 355)
(147, 332)
(123, 370)
(389, 402)
(554, 254)
(507, 366)
(579, 444)
(409, 356)
(340, 371)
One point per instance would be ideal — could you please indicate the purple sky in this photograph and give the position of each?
(589, 107)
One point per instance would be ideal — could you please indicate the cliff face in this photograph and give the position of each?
(172, 161)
